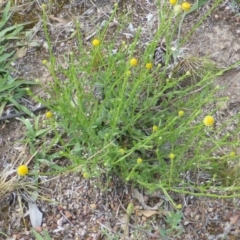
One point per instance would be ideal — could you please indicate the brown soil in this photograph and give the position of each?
(79, 209)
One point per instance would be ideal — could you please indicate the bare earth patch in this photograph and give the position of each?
(78, 208)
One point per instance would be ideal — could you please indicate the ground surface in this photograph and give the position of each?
(79, 209)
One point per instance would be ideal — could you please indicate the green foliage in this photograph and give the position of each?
(6, 34)
(38, 236)
(107, 109)
(174, 229)
(36, 135)
(11, 90)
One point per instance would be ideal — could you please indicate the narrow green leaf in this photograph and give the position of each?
(42, 132)
(14, 28)
(6, 56)
(30, 131)
(2, 105)
(37, 235)
(21, 107)
(46, 235)
(6, 15)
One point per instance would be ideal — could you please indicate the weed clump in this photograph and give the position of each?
(149, 124)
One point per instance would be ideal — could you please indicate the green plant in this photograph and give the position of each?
(144, 124)
(38, 236)
(6, 34)
(39, 143)
(11, 89)
(173, 219)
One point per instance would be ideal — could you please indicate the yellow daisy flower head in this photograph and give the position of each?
(180, 113)
(139, 160)
(208, 121)
(22, 170)
(49, 114)
(171, 156)
(186, 6)
(149, 66)
(133, 62)
(154, 128)
(95, 42)
(173, 2)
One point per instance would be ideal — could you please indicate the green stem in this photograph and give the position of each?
(179, 30)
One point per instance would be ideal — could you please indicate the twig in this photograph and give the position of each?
(21, 113)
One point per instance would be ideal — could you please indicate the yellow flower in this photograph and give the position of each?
(232, 154)
(171, 156)
(44, 62)
(180, 113)
(177, 9)
(208, 121)
(178, 206)
(44, 7)
(172, 2)
(139, 161)
(154, 128)
(133, 62)
(48, 114)
(129, 73)
(85, 175)
(95, 42)
(149, 66)
(22, 170)
(186, 6)
(121, 151)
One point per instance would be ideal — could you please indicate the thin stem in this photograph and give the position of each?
(179, 29)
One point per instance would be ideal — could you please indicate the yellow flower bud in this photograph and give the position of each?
(171, 156)
(173, 2)
(149, 66)
(232, 154)
(44, 7)
(85, 175)
(44, 62)
(177, 9)
(22, 170)
(208, 121)
(121, 151)
(178, 206)
(133, 62)
(48, 114)
(180, 113)
(186, 6)
(95, 42)
(128, 73)
(154, 128)
(139, 161)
